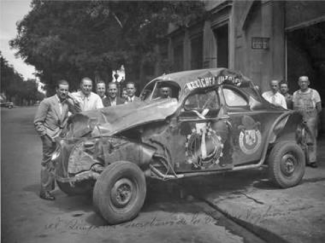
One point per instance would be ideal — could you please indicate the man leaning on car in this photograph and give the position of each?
(85, 99)
(50, 120)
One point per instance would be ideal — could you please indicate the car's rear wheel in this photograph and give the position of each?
(79, 188)
(119, 192)
(286, 164)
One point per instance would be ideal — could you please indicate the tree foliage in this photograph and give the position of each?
(71, 39)
(15, 88)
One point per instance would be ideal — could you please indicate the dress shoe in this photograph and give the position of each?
(313, 165)
(46, 195)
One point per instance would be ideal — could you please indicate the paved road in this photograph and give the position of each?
(166, 216)
(295, 215)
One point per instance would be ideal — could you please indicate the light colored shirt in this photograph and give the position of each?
(275, 99)
(306, 102)
(113, 102)
(131, 99)
(313, 94)
(90, 102)
(60, 104)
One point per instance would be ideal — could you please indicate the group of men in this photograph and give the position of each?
(307, 101)
(53, 112)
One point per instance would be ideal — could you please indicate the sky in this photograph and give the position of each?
(12, 11)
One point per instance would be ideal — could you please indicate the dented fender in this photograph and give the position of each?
(85, 154)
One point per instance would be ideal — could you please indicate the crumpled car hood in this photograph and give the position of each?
(111, 120)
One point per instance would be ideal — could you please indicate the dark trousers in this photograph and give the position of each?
(47, 178)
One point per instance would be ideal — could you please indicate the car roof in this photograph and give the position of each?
(203, 78)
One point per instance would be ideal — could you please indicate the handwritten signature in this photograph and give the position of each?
(176, 220)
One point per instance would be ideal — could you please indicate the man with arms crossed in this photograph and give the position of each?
(308, 102)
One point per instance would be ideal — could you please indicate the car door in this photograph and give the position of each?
(249, 127)
(202, 134)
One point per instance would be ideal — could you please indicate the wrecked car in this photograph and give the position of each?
(212, 121)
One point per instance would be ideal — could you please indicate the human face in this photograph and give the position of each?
(284, 89)
(101, 89)
(274, 86)
(303, 83)
(112, 91)
(164, 92)
(124, 94)
(62, 91)
(86, 86)
(130, 89)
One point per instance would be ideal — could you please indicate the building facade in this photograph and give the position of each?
(263, 39)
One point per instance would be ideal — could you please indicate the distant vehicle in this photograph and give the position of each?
(214, 120)
(7, 104)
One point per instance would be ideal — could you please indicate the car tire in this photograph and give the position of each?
(119, 192)
(79, 188)
(286, 164)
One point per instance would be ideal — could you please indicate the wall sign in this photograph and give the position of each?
(260, 43)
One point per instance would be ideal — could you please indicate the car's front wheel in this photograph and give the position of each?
(119, 192)
(286, 164)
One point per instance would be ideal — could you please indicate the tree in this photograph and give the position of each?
(10, 79)
(15, 88)
(68, 39)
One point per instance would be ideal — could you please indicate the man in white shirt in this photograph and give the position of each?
(273, 96)
(308, 102)
(101, 89)
(85, 99)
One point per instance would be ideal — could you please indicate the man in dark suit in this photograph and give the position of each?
(112, 99)
(130, 89)
(50, 120)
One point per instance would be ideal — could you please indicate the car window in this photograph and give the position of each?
(201, 101)
(234, 98)
(153, 90)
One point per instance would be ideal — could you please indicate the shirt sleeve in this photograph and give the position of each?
(74, 103)
(99, 103)
(264, 95)
(284, 103)
(316, 97)
(294, 99)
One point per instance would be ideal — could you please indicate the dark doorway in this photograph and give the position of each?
(306, 56)
(221, 34)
